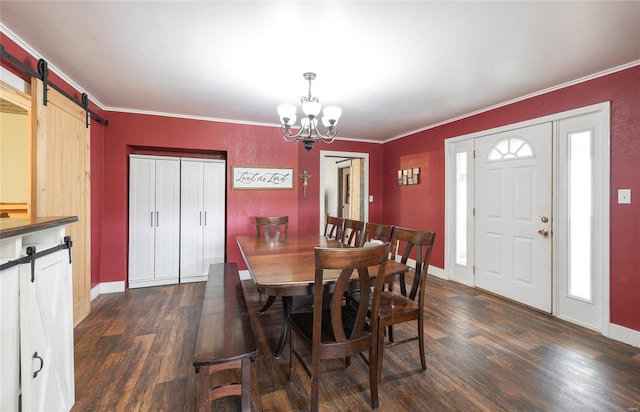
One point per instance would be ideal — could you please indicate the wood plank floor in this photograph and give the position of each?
(134, 353)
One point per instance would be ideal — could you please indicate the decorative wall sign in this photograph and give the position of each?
(409, 176)
(261, 178)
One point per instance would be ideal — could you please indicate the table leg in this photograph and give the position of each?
(287, 303)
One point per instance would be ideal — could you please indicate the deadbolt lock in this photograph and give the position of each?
(544, 219)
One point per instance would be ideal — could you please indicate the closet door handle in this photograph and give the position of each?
(157, 219)
(151, 213)
(201, 218)
(205, 217)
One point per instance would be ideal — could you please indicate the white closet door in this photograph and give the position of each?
(192, 219)
(141, 218)
(167, 219)
(214, 207)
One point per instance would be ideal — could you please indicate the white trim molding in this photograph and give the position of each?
(107, 287)
(624, 335)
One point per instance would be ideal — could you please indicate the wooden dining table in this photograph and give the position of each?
(284, 266)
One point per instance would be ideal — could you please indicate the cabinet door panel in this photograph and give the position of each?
(141, 219)
(167, 219)
(47, 303)
(214, 205)
(192, 219)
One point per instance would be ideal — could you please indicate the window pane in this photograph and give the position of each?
(510, 148)
(461, 208)
(580, 215)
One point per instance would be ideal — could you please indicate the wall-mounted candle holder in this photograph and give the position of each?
(409, 176)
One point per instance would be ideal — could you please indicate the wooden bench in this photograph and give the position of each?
(225, 339)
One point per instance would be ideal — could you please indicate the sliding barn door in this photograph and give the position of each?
(62, 180)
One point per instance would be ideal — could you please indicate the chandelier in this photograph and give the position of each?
(308, 132)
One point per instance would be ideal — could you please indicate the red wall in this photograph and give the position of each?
(244, 146)
(422, 206)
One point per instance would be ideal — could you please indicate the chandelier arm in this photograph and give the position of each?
(322, 138)
(289, 136)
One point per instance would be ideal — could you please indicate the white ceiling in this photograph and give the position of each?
(393, 67)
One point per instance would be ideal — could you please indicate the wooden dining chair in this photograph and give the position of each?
(375, 231)
(351, 232)
(333, 227)
(324, 332)
(399, 307)
(271, 227)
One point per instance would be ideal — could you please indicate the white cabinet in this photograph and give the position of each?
(36, 333)
(154, 220)
(202, 231)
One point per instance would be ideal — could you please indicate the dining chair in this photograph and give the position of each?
(335, 330)
(351, 232)
(271, 228)
(399, 307)
(333, 227)
(375, 231)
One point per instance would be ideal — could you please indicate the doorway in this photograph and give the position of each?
(15, 152)
(527, 213)
(513, 210)
(344, 185)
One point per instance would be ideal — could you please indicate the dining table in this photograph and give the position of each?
(284, 266)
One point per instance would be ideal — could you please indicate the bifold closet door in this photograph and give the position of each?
(154, 220)
(214, 230)
(202, 231)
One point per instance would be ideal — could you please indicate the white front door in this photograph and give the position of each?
(513, 215)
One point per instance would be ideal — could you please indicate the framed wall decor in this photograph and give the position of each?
(261, 178)
(408, 176)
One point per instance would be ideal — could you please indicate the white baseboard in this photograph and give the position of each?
(107, 287)
(437, 272)
(624, 335)
(192, 279)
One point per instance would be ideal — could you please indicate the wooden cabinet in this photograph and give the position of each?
(36, 332)
(202, 218)
(154, 220)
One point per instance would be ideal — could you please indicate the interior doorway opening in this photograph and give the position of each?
(344, 185)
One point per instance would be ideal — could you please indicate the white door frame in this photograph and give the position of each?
(365, 192)
(601, 203)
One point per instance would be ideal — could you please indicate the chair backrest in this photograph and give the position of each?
(405, 240)
(351, 232)
(376, 231)
(333, 227)
(347, 261)
(271, 225)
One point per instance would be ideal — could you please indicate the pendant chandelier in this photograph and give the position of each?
(308, 132)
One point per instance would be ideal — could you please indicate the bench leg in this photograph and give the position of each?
(206, 393)
(246, 384)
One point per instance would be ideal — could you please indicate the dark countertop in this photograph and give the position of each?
(19, 226)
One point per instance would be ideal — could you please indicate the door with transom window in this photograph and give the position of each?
(513, 208)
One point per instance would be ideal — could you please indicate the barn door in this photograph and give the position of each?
(62, 180)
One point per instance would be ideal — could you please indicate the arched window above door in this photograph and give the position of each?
(510, 148)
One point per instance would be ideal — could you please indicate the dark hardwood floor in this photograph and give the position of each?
(134, 353)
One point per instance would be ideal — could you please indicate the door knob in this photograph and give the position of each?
(543, 232)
